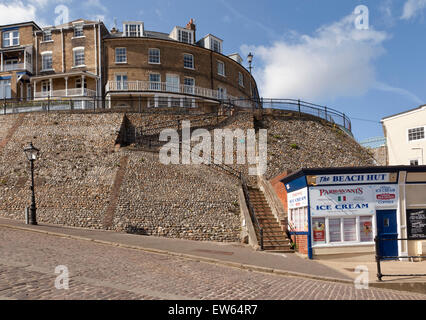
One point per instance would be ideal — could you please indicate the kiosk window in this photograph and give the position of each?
(366, 229)
(349, 229)
(335, 230)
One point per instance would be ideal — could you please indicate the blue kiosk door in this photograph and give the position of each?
(387, 229)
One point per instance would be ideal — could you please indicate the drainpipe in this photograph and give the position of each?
(63, 50)
(100, 61)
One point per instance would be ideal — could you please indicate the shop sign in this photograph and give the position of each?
(298, 199)
(416, 220)
(387, 195)
(370, 178)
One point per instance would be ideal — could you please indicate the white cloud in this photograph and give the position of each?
(412, 8)
(17, 11)
(336, 61)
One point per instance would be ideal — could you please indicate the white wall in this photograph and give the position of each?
(400, 150)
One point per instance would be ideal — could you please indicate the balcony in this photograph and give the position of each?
(75, 92)
(147, 86)
(17, 67)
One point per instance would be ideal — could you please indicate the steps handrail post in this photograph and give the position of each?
(377, 247)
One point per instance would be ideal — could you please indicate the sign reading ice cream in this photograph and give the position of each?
(298, 199)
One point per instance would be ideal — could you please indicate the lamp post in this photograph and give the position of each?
(32, 153)
(250, 60)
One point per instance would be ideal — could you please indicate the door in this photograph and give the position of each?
(121, 81)
(172, 83)
(387, 229)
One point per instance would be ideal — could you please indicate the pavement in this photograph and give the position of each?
(233, 255)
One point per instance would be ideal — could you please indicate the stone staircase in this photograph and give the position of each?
(274, 238)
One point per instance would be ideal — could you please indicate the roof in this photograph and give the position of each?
(21, 24)
(323, 171)
(404, 112)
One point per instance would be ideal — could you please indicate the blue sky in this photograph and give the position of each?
(305, 49)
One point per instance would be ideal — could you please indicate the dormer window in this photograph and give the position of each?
(185, 36)
(216, 45)
(47, 35)
(78, 30)
(133, 29)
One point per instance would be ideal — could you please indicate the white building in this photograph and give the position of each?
(405, 137)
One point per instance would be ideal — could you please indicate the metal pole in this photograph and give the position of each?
(261, 239)
(33, 209)
(379, 270)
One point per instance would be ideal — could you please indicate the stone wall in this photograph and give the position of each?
(300, 143)
(75, 171)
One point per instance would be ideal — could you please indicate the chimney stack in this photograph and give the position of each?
(191, 26)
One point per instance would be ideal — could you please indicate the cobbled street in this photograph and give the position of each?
(28, 261)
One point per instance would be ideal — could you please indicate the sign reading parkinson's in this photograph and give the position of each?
(351, 200)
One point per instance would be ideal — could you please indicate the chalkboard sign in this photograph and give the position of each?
(416, 220)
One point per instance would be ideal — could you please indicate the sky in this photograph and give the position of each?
(368, 62)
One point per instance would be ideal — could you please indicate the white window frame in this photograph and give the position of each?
(241, 79)
(150, 50)
(122, 84)
(190, 34)
(218, 69)
(11, 37)
(343, 243)
(214, 41)
(189, 89)
(416, 128)
(74, 52)
(43, 66)
(49, 33)
(121, 55)
(137, 33)
(5, 88)
(79, 31)
(192, 61)
(154, 85)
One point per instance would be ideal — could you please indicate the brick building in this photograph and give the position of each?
(81, 60)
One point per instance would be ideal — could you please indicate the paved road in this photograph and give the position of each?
(28, 261)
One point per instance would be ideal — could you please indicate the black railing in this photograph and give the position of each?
(59, 103)
(379, 258)
(303, 107)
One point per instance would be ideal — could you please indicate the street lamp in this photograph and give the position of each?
(32, 153)
(250, 60)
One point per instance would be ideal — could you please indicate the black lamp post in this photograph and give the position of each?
(32, 153)
(250, 60)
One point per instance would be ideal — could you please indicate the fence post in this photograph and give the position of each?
(325, 110)
(48, 103)
(377, 246)
(4, 105)
(298, 103)
(140, 104)
(261, 239)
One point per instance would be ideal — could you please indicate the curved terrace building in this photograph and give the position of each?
(83, 61)
(170, 70)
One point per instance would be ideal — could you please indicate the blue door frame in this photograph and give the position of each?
(387, 229)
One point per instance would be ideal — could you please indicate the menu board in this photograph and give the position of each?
(416, 220)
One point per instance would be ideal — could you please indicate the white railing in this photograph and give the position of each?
(18, 66)
(74, 92)
(137, 86)
(164, 87)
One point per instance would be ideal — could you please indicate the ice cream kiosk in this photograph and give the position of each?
(339, 211)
